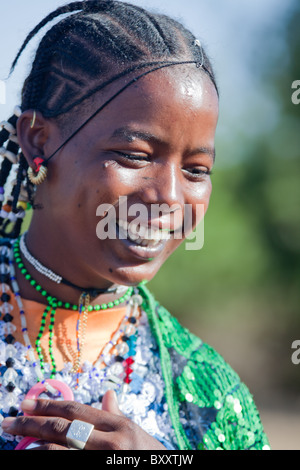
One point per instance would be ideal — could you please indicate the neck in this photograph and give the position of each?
(64, 289)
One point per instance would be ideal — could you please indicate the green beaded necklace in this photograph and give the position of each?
(53, 304)
(60, 304)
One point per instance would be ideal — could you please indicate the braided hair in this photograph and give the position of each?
(99, 42)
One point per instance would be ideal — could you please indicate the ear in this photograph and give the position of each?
(33, 134)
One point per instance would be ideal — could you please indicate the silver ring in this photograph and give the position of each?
(78, 434)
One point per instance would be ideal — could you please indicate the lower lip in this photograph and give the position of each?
(140, 251)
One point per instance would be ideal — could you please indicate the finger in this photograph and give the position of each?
(110, 403)
(50, 446)
(70, 410)
(53, 432)
(43, 428)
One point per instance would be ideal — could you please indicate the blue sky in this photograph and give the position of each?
(231, 30)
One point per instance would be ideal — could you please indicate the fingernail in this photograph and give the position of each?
(28, 405)
(7, 424)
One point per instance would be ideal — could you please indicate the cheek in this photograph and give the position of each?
(95, 184)
(108, 185)
(199, 202)
(196, 205)
(113, 183)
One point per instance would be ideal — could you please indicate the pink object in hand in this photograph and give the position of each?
(34, 393)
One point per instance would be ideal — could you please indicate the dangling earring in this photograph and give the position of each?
(38, 175)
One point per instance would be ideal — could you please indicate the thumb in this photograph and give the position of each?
(110, 402)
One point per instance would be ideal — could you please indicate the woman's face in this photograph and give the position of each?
(153, 145)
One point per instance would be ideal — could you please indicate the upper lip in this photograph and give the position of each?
(163, 223)
(152, 227)
(143, 231)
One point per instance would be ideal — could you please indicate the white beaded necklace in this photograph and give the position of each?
(47, 272)
(36, 264)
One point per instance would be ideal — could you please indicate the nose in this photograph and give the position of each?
(163, 193)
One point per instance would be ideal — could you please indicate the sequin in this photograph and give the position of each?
(229, 399)
(189, 397)
(136, 400)
(237, 406)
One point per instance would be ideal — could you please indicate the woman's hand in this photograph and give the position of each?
(50, 420)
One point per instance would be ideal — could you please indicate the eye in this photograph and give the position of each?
(134, 157)
(197, 173)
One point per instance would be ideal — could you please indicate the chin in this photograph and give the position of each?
(132, 276)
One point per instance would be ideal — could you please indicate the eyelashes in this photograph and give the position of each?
(132, 157)
(197, 172)
(194, 173)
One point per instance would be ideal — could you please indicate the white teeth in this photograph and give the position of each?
(133, 228)
(142, 231)
(122, 232)
(154, 242)
(154, 234)
(165, 235)
(132, 231)
(123, 224)
(142, 235)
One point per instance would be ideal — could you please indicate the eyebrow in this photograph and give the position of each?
(206, 150)
(128, 134)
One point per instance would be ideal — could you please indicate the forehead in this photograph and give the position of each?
(184, 85)
(172, 104)
(187, 90)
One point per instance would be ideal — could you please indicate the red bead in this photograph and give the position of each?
(128, 370)
(129, 361)
(38, 162)
(127, 380)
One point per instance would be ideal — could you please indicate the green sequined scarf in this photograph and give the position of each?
(202, 390)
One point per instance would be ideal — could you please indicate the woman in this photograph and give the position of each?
(118, 117)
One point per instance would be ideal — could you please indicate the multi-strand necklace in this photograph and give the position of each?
(116, 355)
(21, 247)
(116, 347)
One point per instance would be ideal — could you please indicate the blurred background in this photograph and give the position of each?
(240, 292)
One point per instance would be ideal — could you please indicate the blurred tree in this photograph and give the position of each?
(245, 280)
(269, 189)
(271, 183)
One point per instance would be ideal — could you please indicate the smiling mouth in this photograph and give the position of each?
(141, 235)
(142, 242)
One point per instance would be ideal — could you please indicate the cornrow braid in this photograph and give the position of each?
(99, 37)
(72, 7)
(96, 43)
(12, 211)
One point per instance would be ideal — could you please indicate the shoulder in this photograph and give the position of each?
(208, 387)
